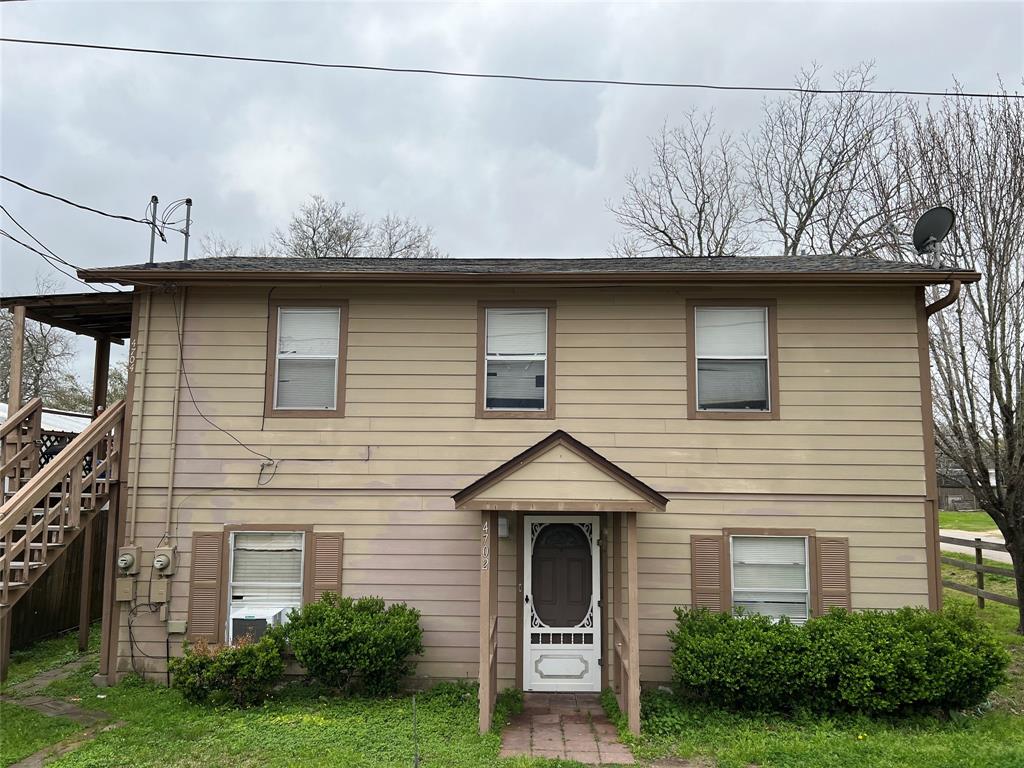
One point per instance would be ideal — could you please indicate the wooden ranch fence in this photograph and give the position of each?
(979, 568)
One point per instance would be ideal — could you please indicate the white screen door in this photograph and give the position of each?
(562, 613)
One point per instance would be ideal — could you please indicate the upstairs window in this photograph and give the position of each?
(517, 368)
(732, 361)
(770, 576)
(306, 352)
(266, 580)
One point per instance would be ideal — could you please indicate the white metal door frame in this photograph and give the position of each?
(562, 666)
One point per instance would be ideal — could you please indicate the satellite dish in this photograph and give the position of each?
(931, 228)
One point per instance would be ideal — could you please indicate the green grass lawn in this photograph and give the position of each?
(48, 654)
(23, 732)
(970, 520)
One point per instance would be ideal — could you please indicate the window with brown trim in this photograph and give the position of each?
(516, 359)
(265, 579)
(771, 575)
(306, 343)
(732, 365)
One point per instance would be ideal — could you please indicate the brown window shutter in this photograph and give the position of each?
(206, 594)
(706, 554)
(327, 550)
(833, 588)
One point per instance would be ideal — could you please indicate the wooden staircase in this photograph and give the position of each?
(45, 508)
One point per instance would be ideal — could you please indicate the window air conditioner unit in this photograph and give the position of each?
(254, 620)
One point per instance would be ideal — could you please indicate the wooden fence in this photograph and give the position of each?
(979, 568)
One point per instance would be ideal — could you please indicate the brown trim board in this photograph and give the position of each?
(931, 504)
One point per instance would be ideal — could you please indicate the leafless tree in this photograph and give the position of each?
(397, 237)
(323, 229)
(692, 200)
(818, 164)
(969, 155)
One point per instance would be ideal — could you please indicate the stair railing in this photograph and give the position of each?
(37, 517)
(19, 447)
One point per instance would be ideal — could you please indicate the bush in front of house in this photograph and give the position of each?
(242, 674)
(871, 662)
(356, 644)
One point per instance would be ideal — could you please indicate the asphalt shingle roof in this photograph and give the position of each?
(757, 264)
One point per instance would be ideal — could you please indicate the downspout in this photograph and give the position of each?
(136, 441)
(180, 330)
(940, 304)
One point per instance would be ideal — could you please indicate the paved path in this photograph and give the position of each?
(28, 694)
(571, 726)
(997, 538)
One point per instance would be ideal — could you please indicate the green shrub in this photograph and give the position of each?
(870, 662)
(356, 644)
(242, 674)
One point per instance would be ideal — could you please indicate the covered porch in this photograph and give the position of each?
(573, 516)
(54, 484)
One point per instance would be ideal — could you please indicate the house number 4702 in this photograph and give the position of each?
(485, 546)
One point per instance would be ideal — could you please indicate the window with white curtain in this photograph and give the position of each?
(516, 359)
(266, 573)
(732, 358)
(770, 576)
(307, 358)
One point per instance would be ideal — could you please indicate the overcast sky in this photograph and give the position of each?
(496, 168)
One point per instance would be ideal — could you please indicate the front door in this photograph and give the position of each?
(562, 612)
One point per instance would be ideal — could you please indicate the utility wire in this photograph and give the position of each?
(65, 262)
(47, 259)
(76, 205)
(500, 76)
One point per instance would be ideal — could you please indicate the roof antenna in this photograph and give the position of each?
(930, 230)
(152, 223)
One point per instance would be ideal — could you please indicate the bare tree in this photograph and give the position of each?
(969, 155)
(323, 229)
(819, 163)
(217, 246)
(691, 202)
(397, 237)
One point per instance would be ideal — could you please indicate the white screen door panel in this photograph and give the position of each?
(562, 612)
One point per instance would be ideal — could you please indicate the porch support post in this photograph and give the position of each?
(108, 637)
(615, 588)
(85, 587)
(488, 614)
(100, 374)
(14, 396)
(633, 694)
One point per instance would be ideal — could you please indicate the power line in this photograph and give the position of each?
(38, 242)
(76, 205)
(47, 259)
(499, 76)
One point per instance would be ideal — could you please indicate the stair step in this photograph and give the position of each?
(39, 545)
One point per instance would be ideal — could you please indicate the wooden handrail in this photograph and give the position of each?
(39, 486)
(14, 420)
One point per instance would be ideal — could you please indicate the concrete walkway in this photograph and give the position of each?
(995, 538)
(28, 694)
(570, 726)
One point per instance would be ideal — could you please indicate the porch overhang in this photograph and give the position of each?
(581, 480)
(560, 474)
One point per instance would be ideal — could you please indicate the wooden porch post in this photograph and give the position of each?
(615, 588)
(633, 694)
(100, 375)
(85, 587)
(108, 638)
(17, 361)
(488, 612)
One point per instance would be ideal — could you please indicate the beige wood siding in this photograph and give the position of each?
(845, 458)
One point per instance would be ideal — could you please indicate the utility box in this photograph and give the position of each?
(159, 590)
(124, 589)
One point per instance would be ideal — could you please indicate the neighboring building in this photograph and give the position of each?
(545, 457)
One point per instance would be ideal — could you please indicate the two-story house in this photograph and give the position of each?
(545, 457)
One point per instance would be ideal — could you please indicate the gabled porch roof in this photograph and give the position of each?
(560, 473)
